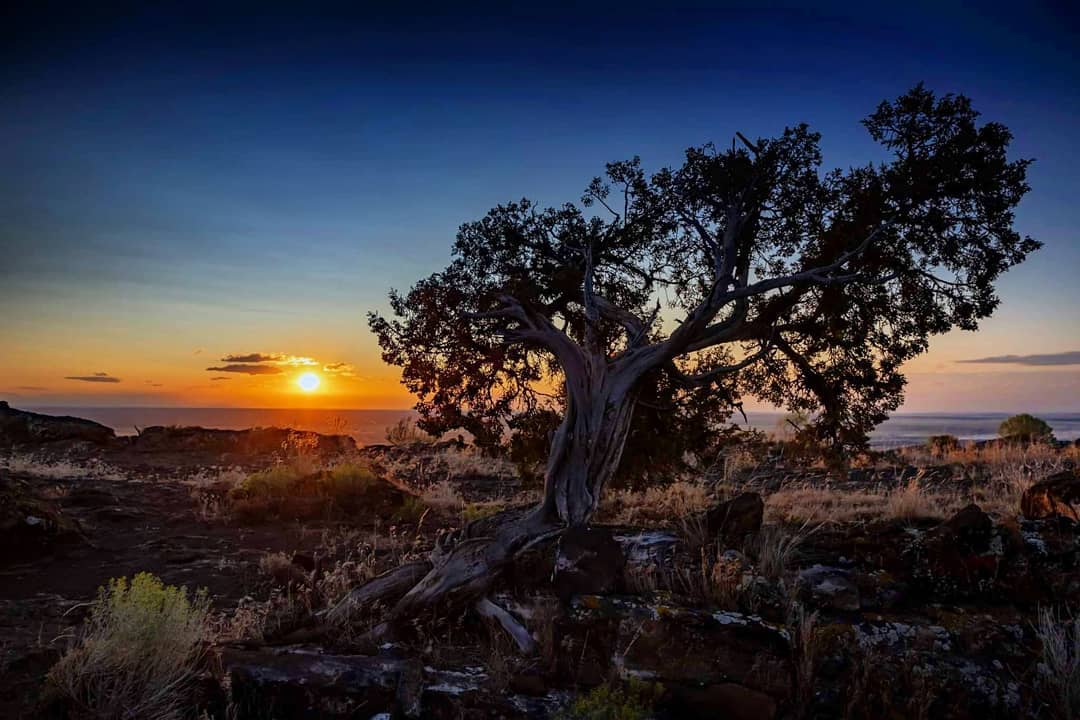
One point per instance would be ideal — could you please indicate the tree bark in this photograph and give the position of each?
(587, 446)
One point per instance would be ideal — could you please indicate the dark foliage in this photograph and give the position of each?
(746, 272)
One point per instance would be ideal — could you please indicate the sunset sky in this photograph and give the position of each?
(198, 208)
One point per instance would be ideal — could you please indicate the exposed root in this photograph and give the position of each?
(386, 588)
(469, 569)
(465, 566)
(487, 609)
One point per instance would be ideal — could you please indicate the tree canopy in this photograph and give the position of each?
(748, 271)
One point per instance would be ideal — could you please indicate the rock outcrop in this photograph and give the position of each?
(21, 427)
(1058, 494)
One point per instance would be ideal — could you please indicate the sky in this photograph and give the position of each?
(184, 185)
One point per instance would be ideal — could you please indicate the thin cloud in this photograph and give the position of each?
(218, 378)
(31, 388)
(253, 358)
(1063, 358)
(340, 368)
(95, 378)
(247, 369)
(151, 383)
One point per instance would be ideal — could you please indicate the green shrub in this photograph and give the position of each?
(349, 479)
(1027, 428)
(632, 701)
(942, 444)
(137, 654)
(274, 482)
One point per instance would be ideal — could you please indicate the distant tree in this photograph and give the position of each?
(1026, 428)
(747, 271)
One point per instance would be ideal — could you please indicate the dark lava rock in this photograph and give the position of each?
(588, 560)
(695, 654)
(302, 684)
(29, 525)
(735, 519)
(829, 588)
(294, 682)
(1058, 494)
(20, 427)
(250, 442)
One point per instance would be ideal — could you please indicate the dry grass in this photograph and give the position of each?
(912, 501)
(808, 503)
(999, 473)
(137, 654)
(775, 545)
(1059, 669)
(59, 469)
(656, 505)
(443, 496)
(815, 504)
(405, 433)
(806, 646)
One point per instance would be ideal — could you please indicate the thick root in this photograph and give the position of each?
(465, 566)
(469, 569)
(517, 632)
(386, 588)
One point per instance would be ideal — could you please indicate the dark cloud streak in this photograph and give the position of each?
(252, 358)
(1063, 358)
(247, 369)
(95, 378)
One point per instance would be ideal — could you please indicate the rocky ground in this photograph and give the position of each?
(741, 604)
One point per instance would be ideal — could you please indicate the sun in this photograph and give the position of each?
(308, 382)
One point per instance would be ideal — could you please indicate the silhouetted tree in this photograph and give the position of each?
(746, 271)
(1026, 428)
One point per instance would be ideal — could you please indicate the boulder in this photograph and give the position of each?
(734, 519)
(299, 683)
(20, 427)
(1058, 494)
(588, 560)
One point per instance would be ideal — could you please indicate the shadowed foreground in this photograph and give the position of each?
(911, 587)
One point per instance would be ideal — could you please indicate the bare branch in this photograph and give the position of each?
(705, 378)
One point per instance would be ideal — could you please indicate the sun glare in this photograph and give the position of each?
(308, 382)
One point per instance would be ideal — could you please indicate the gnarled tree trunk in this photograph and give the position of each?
(586, 449)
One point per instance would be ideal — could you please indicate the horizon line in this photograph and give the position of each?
(355, 409)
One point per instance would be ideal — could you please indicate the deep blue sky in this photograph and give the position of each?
(256, 179)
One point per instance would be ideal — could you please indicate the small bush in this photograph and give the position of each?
(939, 445)
(632, 701)
(138, 652)
(1026, 428)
